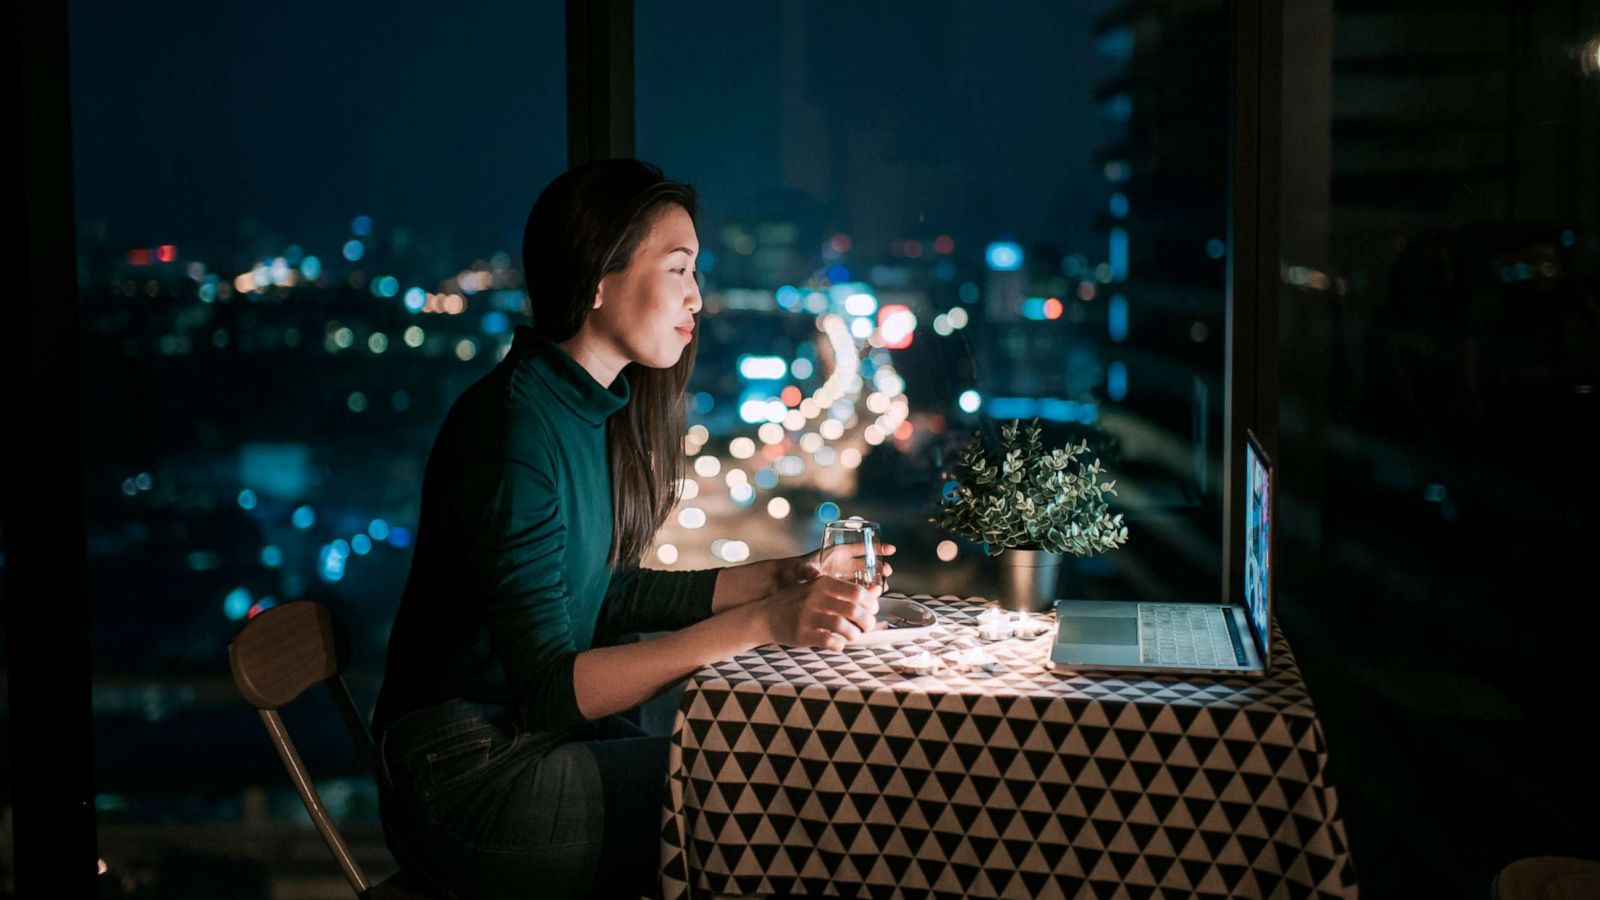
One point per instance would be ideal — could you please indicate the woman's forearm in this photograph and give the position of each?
(737, 585)
(609, 680)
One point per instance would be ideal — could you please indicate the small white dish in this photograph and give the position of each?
(899, 620)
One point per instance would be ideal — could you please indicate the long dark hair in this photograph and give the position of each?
(586, 225)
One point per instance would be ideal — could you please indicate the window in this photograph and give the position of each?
(299, 236)
(921, 220)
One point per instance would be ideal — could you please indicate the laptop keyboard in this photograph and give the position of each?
(1184, 634)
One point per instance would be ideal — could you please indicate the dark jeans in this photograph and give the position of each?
(482, 808)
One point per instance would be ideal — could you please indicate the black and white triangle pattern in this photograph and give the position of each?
(802, 771)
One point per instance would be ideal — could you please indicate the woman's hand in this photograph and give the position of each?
(738, 585)
(810, 566)
(824, 612)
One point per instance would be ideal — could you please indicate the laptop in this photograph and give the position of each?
(1206, 638)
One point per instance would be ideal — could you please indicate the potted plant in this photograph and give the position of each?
(1028, 506)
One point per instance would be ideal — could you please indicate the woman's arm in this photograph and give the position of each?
(752, 581)
(514, 548)
(608, 680)
(822, 613)
(738, 585)
(639, 599)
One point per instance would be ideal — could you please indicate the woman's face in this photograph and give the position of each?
(647, 311)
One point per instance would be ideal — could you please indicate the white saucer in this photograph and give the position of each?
(890, 608)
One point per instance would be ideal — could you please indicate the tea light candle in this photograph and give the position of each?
(1027, 626)
(994, 624)
(977, 660)
(919, 664)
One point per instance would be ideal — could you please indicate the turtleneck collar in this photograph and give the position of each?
(569, 381)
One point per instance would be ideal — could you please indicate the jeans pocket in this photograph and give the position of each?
(448, 764)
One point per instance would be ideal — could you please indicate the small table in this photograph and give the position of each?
(817, 772)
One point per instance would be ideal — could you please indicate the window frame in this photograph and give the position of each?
(49, 682)
(1250, 362)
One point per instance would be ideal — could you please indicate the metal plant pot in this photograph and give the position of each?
(1028, 579)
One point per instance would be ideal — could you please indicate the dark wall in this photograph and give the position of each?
(1441, 352)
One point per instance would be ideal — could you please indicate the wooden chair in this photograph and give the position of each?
(276, 657)
(1547, 878)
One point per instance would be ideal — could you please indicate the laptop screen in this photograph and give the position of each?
(1258, 545)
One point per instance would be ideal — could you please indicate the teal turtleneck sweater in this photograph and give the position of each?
(508, 580)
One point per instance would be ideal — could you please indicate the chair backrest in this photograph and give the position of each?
(285, 650)
(276, 657)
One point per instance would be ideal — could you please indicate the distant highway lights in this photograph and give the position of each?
(888, 381)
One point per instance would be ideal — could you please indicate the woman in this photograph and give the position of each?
(508, 770)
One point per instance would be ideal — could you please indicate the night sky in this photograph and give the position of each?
(210, 125)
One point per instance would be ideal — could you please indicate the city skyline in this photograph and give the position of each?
(454, 155)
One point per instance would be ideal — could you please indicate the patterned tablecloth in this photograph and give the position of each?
(830, 773)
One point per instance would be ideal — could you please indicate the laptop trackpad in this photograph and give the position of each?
(1099, 630)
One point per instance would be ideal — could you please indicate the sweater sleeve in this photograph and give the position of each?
(515, 539)
(641, 599)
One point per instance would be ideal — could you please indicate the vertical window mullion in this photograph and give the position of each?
(599, 79)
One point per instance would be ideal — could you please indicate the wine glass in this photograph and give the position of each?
(851, 552)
